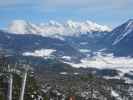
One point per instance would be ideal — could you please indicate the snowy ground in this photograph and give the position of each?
(40, 53)
(124, 64)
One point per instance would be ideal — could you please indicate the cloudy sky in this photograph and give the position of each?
(108, 12)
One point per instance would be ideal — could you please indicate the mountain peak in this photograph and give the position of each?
(130, 23)
(122, 31)
(18, 26)
(54, 28)
(130, 20)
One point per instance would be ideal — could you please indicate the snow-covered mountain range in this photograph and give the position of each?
(84, 44)
(53, 28)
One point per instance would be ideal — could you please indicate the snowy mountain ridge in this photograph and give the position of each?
(53, 28)
(124, 29)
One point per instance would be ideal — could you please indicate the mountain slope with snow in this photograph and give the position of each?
(38, 46)
(122, 31)
(53, 28)
(40, 53)
(121, 39)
